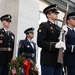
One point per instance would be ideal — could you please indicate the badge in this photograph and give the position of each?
(39, 30)
(28, 46)
(12, 37)
(51, 28)
(9, 49)
(8, 16)
(2, 30)
(1, 41)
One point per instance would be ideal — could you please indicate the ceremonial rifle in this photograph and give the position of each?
(62, 38)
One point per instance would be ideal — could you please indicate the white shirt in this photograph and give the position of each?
(31, 43)
(52, 21)
(71, 28)
(6, 31)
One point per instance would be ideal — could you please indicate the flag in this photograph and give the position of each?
(13, 71)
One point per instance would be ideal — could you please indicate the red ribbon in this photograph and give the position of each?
(26, 65)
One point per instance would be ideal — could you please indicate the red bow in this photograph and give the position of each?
(26, 65)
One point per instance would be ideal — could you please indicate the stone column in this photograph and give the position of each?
(25, 14)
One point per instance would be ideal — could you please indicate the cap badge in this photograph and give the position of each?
(8, 16)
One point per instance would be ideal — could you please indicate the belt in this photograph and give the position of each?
(29, 54)
(70, 49)
(5, 49)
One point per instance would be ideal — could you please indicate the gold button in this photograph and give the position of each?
(9, 49)
(8, 43)
(52, 31)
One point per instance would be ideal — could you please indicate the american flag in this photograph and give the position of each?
(13, 71)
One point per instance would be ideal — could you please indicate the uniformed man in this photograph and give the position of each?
(6, 44)
(27, 47)
(47, 38)
(69, 55)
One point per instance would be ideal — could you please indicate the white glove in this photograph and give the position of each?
(64, 27)
(60, 44)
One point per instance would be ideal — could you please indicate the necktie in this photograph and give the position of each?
(32, 44)
(7, 32)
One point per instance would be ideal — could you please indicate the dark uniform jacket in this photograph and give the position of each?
(69, 56)
(27, 50)
(6, 47)
(47, 37)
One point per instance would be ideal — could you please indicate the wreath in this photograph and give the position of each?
(22, 66)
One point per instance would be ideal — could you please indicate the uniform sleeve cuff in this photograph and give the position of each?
(52, 46)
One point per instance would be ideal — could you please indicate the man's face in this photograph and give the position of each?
(53, 16)
(6, 24)
(71, 22)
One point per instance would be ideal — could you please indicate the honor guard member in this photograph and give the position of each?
(47, 38)
(27, 47)
(69, 55)
(6, 44)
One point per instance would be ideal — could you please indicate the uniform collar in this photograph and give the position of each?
(71, 28)
(52, 21)
(5, 29)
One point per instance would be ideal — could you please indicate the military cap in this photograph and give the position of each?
(51, 8)
(71, 15)
(29, 30)
(6, 17)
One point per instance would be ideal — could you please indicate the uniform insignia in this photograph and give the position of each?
(51, 28)
(9, 49)
(8, 16)
(2, 30)
(39, 30)
(12, 37)
(28, 46)
(1, 41)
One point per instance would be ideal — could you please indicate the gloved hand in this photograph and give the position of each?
(64, 27)
(60, 44)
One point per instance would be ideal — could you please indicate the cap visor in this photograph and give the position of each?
(8, 20)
